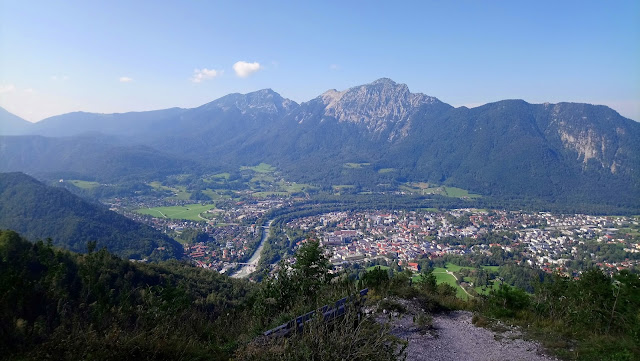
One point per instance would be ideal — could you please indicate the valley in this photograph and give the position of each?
(218, 219)
(291, 181)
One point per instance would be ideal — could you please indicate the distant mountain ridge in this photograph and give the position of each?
(507, 148)
(11, 124)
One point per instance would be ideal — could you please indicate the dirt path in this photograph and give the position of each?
(454, 276)
(456, 338)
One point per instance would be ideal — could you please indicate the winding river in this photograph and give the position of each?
(251, 265)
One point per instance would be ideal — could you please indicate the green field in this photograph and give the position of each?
(188, 212)
(84, 184)
(459, 193)
(179, 192)
(443, 277)
(221, 175)
(427, 188)
(356, 165)
(214, 195)
(260, 168)
(386, 170)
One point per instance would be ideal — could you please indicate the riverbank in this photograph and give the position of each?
(252, 263)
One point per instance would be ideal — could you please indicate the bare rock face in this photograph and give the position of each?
(379, 106)
(581, 134)
(264, 101)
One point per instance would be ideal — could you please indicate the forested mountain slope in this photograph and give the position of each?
(40, 212)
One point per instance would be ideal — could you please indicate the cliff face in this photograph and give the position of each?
(383, 108)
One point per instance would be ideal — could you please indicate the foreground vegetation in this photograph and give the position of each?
(56, 304)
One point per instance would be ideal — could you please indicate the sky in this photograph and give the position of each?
(118, 56)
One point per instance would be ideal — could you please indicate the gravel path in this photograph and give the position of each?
(456, 338)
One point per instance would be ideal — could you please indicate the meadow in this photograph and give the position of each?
(189, 212)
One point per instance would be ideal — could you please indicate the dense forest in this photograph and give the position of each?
(41, 212)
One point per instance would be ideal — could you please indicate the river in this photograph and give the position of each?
(248, 268)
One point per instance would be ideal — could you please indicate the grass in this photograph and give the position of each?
(386, 170)
(179, 192)
(221, 175)
(188, 212)
(356, 165)
(215, 196)
(260, 168)
(84, 184)
(492, 286)
(369, 269)
(459, 193)
(443, 277)
(342, 187)
(426, 188)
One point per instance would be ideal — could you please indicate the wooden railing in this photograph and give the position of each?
(328, 314)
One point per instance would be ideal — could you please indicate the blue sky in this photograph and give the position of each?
(117, 56)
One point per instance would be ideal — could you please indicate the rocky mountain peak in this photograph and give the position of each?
(379, 106)
(264, 101)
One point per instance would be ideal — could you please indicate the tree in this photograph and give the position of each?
(312, 267)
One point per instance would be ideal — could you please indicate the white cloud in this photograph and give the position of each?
(59, 77)
(204, 74)
(244, 69)
(29, 91)
(125, 79)
(334, 67)
(9, 88)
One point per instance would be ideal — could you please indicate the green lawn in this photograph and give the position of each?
(443, 277)
(84, 184)
(188, 212)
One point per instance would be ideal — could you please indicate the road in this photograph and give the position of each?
(248, 268)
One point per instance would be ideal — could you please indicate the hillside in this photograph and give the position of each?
(565, 152)
(57, 304)
(40, 212)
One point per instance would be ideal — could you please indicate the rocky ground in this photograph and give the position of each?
(453, 336)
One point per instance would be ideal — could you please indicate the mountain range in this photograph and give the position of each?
(510, 148)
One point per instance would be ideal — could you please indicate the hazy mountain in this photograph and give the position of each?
(11, 124)
(90, 157)
(39, 211)
(509, 148)
(121, 124)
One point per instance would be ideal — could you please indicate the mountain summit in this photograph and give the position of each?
(261, 101)
(381, 106)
